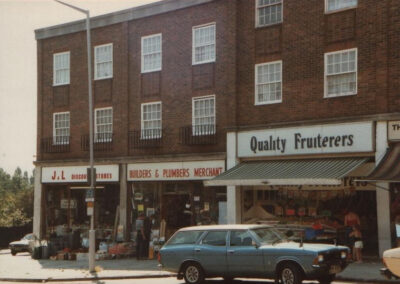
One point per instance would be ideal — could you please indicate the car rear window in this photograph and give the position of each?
(185, 238)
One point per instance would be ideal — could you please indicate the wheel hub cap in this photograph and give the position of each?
(192, 274)
(287, 276)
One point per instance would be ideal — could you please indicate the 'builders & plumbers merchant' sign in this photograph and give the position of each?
(199, 170)
(316, 139)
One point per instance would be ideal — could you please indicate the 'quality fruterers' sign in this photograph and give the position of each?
(316, 139)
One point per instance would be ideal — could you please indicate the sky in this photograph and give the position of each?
(18, 76)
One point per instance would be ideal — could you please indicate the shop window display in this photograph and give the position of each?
(313, 215)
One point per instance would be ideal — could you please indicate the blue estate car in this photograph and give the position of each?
(251, 251)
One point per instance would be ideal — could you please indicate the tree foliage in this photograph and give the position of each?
(16, 198)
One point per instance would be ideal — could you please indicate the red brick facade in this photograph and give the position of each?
(300, 41)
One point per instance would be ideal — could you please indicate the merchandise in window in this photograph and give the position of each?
(204, 44)
(103, 55)
(151, 53)
(103, 125)
(269, 83)
(269, 12)
(61, 128)
(341, 73)
(204, 116)
(151, 120)
(61, 68)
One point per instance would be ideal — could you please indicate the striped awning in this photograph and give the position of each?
(288, 172)
(388, 169)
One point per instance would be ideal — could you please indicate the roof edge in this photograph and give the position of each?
(139, 12)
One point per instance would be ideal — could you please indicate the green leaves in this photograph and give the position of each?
(16, 198)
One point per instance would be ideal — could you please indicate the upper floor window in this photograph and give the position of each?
(103, 65)
(268, 83)
(61, 128)
(61, 68)
(334, 5)
(103, 124)
(203, 115)
(204, 44)
(151, 53)
(151, 120)
(341, 73)
(269, 12)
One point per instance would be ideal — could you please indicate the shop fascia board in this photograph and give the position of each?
(281, 182)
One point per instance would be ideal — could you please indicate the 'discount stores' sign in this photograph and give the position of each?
(317, 139)
(78, 174)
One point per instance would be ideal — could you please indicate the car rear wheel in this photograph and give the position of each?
(327, 279)
(193, 273)
(290, 274)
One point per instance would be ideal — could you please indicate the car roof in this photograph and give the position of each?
(225, 227)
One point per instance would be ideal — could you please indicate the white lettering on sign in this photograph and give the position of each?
(394, 130)
(200, 170)
(104, 173)
(318, 139)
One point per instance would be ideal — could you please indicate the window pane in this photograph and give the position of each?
(217, 238)
(204, 44)
(103, 61)
(269, 12)
(151, 53)
(268, 82)
(333, 5)
(151, 121)
(204, 116)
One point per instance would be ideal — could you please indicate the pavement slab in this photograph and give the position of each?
(23, 268)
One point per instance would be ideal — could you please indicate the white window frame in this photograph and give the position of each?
(143, 130)
(95, 62)
(55, 70)
(258, 25)
(194, 46)
(143, 55)
(256, 99)
(194, 130)
(106, 139)
(327, 11)
(326, 73)
(55, 136)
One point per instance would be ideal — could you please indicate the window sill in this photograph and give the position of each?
(103, 78)
(340, 10)
(203, 62)
(60, 85)
(257, 27)
(150, 71)
(267, 103)
(340, 95)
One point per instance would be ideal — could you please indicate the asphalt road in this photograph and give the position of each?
(175, 281)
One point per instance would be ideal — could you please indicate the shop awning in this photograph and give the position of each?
(388, 169)
(288, 172)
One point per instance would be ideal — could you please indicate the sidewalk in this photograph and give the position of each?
(24, 269)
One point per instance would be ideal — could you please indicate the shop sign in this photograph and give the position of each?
(104, 173)
(394, 130)
(200, 170)
(317, 139)
(65, 202)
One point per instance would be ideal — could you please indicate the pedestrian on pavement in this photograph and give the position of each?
(140, 237)
(358, 243)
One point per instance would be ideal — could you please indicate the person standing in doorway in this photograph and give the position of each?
(358, 243)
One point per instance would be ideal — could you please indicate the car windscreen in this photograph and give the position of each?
(185, 238)
(269, 235)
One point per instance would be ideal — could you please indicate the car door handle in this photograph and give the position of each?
(231, 251)
(197, 250)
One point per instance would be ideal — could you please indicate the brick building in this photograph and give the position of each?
(183, 89)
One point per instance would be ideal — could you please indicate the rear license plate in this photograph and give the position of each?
(335, 269)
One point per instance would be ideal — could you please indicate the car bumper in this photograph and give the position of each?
(325, 269)
(19, 248)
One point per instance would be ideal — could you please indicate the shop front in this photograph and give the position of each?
(304, 179)
(173, 193)
(65, 220)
